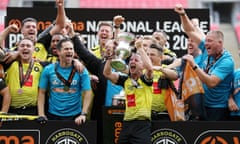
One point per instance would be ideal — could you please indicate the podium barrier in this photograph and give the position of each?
(164, 132)
(52, 132)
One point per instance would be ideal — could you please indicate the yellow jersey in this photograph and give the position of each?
(97, 51)
(27, 94)
(138, 100)
(158, 94)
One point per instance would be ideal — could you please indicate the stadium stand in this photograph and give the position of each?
(131, 3)
(237, 30)
(3, 4)
(237, 27)
(3, 7)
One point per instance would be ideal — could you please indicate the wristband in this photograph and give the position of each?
(195, 67)
(182, 14)
(116, 27)
(84, 113)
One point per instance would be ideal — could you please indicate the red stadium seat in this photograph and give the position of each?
(131, 3)
(214, 26)
(3, 4)
(237, 30)
(1, 27)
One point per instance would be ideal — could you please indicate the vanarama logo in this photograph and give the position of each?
(219, 137)
(213, 140)
(167, 136)
(19, 136)
(67, 136)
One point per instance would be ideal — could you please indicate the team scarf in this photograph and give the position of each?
(186, 103)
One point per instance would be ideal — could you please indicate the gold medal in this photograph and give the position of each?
(20, 91)
(66, 88)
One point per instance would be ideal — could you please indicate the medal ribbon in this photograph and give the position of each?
(23, 78)
(70, 77)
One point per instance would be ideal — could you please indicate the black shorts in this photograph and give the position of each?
(135, 132)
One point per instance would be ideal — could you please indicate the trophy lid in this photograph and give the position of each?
(125, 36)
(118, 65)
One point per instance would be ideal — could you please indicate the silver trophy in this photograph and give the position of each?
(123, 50)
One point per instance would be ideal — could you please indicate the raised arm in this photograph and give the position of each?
(10, 55)
(145, 58)
(60, 19)
(188, 26)
(107, 72)
(10, 29)
(88, 58)
(117, 21)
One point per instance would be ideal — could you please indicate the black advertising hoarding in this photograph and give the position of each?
(56, 132)
(163, 132)
(137, 21)
(53, 132)
(202, 132)
(112, 124)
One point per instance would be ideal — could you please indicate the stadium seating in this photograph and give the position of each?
(237, 30)
(3, 7)
(3, 4)
(214, 26)
(131, 3)
(237, 27)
